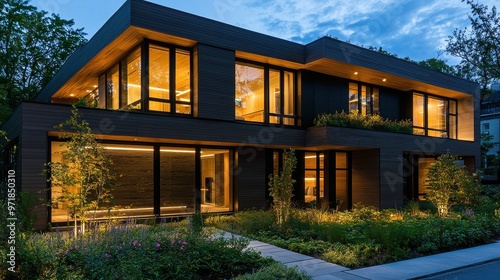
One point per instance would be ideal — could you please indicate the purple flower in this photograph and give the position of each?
(157, 245)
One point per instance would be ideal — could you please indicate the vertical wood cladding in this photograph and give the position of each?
(214, 80)
(134, 178)
(365, 177)
(177, 179)
(251, 178)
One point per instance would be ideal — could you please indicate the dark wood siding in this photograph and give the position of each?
(215, 82)
(162, 19)
(365, 177)
(392, 103)
(322, 94)
(251, 178)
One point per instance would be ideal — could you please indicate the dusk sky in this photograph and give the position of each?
(417, 29)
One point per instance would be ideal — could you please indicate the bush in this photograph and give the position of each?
(366, 236)
(135, 253)
(356, 120)
(276, 271)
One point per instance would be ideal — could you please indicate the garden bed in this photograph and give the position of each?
(364, 237)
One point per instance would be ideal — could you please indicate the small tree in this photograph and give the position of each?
(281, 187)
(84, 174)
(449, 183)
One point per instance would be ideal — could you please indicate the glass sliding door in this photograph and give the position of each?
(216, 192)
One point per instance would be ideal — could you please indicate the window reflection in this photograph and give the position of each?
(249, 93)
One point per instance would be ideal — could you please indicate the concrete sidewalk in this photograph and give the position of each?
(408, 269)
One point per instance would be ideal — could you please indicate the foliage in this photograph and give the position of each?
(85, 174)
(486, 146)
(356, 120)
(277, 271)
(365, 236)
(34, 46)
(132, 252)
(479, 46)
(281, 187)
(449, 184)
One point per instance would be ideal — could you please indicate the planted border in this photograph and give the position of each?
(355, 120)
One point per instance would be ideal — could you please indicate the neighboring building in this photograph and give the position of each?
(187, 104)
(490, 124)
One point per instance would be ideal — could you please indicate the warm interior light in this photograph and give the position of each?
(128, 149)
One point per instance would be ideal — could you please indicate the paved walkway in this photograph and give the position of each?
(409, 269)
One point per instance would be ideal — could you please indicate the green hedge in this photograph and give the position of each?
(355, 120)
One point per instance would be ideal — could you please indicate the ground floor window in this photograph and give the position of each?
(327, 179)
(159, 180)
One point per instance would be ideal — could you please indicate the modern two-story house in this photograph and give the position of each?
(187, 105)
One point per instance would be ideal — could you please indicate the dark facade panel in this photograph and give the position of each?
(251, 178)
(111, 29)
(206, 31)
(355, 55)
(392, 103)
(215, 80)
(322, 94)
(366, 177)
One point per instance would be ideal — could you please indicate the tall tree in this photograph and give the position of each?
(33, 46)
(478, 46)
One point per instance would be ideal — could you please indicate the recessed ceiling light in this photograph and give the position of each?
(355, 73)
(72, 95)
(384, 80)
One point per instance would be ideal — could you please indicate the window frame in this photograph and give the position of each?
(143, 48)
(267, 114)
(426, 128)
(369, 90)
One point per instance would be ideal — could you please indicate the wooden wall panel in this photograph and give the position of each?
(252, 179)
(366, 177)
(215, 78)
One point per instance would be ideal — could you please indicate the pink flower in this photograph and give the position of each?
(157, 245)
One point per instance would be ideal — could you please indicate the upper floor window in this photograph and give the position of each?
(434, 116)
(264, 94)
(168, 78)
(364, 99)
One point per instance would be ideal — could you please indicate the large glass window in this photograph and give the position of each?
(363, 99)
(159, 79)
(216, 193)
(249, 93)
(135, 166)
(434, 116)
(314, 177)
(112, 88)
(131, 86)
(168, 77)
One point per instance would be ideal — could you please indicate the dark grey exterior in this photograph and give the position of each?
(377, 158)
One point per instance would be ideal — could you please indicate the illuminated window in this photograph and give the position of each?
(249, 93)
(252, 95)
(434, 116)
(314, 177)
(364, 99)
(168, 77)
(131, 86)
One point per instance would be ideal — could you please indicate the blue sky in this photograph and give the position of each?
(417, 29)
